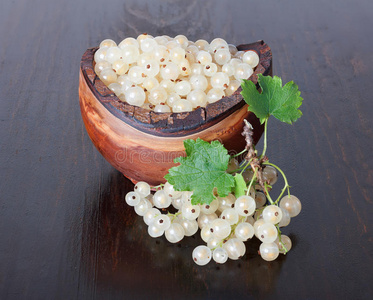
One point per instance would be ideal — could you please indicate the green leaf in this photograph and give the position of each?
(239, 185)
(282, 102)
(202, 170)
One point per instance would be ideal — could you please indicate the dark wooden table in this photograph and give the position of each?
(65, 231)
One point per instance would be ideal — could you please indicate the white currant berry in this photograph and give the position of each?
(189, 211)
(107, 43)
(235, 248)
(204, 219)
(260, 199)
(143, 207)
(206, 233)
(267, 233)
(170, 191)
(230, 215)
(133, 198)
(210, 208)
(162, 221)
(161, 199)
(142, 188)
(270, 175)
(285, 245)
(175, 233)
(251, 58)
(201, 255)
(155, 231)
(220, 255)
(258, 223)
(150, 215)
(272, 214)
(245, 205)
(285, 220)
(220, 228)
(244, 231)
(190, 226)
(291, 204)
(269, 251)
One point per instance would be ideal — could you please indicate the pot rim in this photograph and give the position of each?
(173, 124)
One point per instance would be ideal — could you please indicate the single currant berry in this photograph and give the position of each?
(270, 175)
(245, 206)
(285, 220)
(269, 251)
(190, 226)
(291, 204)
(230, 215)
(272, 214)
(260, 199)
(162, 221)
(142, 188)
(285, 245)
(244, 231)
(170, 191)
(258, 223)
(143, 207)
(235, 248)
(154, 231)
(201, 255)
(220, 255)
(267, 233)
(161, 199)
(210, 208)
(175, 233)
(226, 202)
(206, 233)
(150, 215)
(220, 228)
(190, 211)
(133, 198)
(213, 242)
(204, 219)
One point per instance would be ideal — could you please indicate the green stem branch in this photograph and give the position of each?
(251, 183)
(267, 194)
(265, 138)
(245, 165)
(238, 154)
(173, 216)
(286, 186)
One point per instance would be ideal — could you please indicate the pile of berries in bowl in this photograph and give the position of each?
(167, 74)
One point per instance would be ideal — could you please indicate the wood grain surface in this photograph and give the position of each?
(65, 230)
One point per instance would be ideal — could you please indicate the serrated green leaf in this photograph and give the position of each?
(202, 170)
(281, 102)
(239, 185)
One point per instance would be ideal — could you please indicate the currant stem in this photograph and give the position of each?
(280, 241)
(242, 168)
(286, 186)
(251, 183)
(265, 138)
(267, 194)
(157, 186)
(236, 170)
(238, 154)
(246, 164)
(173, 216)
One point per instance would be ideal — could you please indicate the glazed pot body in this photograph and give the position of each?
(142, 144)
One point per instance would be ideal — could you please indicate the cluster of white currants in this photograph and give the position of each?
(167, 74)
(226, 223)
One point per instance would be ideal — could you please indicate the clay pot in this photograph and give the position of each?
(142, 144)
